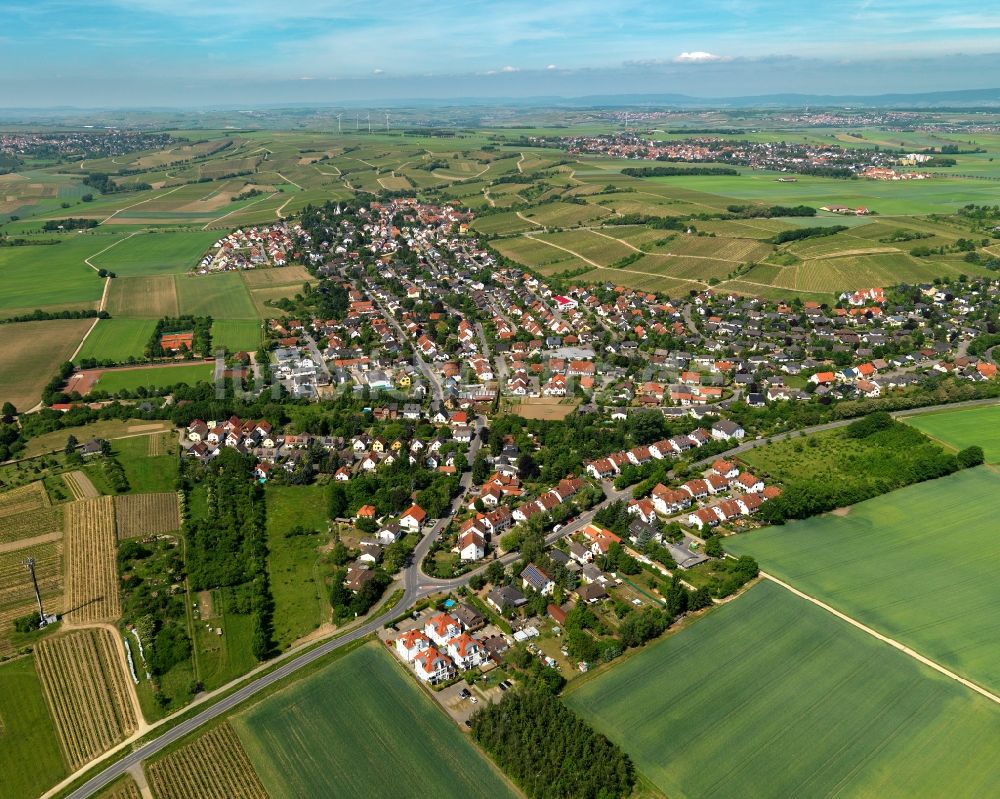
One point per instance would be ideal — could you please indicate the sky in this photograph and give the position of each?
(187, 53)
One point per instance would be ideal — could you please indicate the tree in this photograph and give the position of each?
(336, 500)
(71, 444)
(713, 546)
(971, 456)
(495, 572)
(480, 468)
(8, 409)
(527, 469)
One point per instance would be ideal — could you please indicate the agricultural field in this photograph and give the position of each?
(964, 428)
(146, 514)
(118, 339)
(334, 732)
(123, 788)
(278, 276)
(147, 472)
(83, 675)
(918, 565)
(26, 513)
(770, 695)
(110, 429)
(79, 485)
(222, 296)
(51, 276)
(154, 377)
(26, 735)
(91, 547)
(160, 253)
(32, 353)
(147, 297)
(212, 766)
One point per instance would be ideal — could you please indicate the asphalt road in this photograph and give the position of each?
(416, 586)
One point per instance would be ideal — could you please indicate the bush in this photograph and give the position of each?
(971, 456)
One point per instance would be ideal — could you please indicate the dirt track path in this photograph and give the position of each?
(884, 638)
(24, 543)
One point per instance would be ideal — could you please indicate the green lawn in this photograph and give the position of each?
(160, 253)
(919, 564)
(118, 339)
(964, 428)
(223, 296)
(225, 657)
(294, 564)
(155, 377)
(236, 334)
(30, 759)
(147, 474)
(772, 696)
(361, 727)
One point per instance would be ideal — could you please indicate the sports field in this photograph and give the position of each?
(964, 428)
(772, 696)
(154, 377)
(360, 727)
(118, 339)
(919, 565)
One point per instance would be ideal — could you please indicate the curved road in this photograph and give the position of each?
(416, 585)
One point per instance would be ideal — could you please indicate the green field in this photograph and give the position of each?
(147, 473)
(236, 334)
(772, 696)
(118, 339)
(223, 296)
(154, 377)
(162, 253)
(919, 565)
(29, 751)
(361, 727)
(294, 565)
(964, 428)
(55, 275)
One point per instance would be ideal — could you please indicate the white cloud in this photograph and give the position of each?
(509, 68)
(378, 72)
(551, 66)
(697, 57)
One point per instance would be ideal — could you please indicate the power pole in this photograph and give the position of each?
(30, 564)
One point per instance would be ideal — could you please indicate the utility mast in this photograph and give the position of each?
(43, 619)
(386, 121)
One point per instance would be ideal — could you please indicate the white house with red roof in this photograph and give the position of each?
(412, 643)
(432, 666)
(600, 539)
(471, 546)
(466, 651)
(442, 628)
(413, 518)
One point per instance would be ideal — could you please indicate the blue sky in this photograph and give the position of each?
(198, 52)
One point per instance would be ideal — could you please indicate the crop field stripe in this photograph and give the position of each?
(91, 550)
(885, 639)
(85, 688)
(146, 514)
(213, 766)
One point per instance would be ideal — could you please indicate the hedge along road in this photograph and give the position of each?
(417, 585)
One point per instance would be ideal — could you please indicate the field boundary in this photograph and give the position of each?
(885, 639)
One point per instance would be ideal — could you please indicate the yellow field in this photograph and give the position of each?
(80, 486)
(279, 276)
(146, 514)
(31, 354)
(147, 297)
(213, 766)
(27, 512)
(84, 678)
(91, 548)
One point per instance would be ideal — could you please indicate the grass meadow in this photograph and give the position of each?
(30, 759)
(361, 727)
(918, 564)
(294, 563)
(964, 428)
(147, 473)
(118, 339)
(236, 334)
(771, 695)
(52, 276)
(163, 253)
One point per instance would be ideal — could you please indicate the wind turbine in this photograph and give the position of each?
(626, 120)
(386, 121)
(357, 121)
(369, 121)
(338, 121)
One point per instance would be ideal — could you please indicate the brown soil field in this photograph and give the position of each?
(213, 766)
(91, 548)
(31, 354)
(84, 679)
(143, 297)
(146, 514)
(17, 597)
(80, 486)
(278, 276)
(549, 408)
